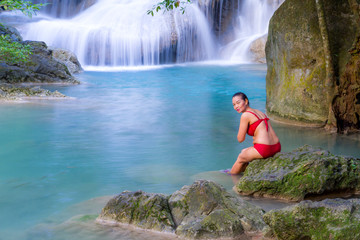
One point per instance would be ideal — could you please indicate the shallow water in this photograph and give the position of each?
(154, 130)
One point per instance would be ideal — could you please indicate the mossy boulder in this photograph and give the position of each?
(329, 219)
(304, 172)
(203, 210)
(207, 210)
(296, 59)
(144, 210)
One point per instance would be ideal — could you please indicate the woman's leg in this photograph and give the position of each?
(246, 156)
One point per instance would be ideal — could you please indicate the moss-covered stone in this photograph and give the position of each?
(296, 60)
(207, 210)
(10, 92)
(306, 171)
(144, 210)
(336, 219)
(203, 210)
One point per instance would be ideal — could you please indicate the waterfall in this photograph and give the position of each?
(64, 8)
(117, 33)
(252, 24)
(120, 33)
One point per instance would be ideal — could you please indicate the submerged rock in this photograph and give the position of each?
(306, 171)
(203, 210)
(9, 93)
(328, 219)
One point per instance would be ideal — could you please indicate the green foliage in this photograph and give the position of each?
(169, 5)
(13, 52)
(26, 7)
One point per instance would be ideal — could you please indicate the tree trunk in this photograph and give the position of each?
(329, 64)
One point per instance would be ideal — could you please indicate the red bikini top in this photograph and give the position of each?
(252, 127)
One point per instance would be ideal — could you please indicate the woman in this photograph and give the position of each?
(256, 124)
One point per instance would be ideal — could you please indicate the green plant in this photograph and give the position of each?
(26, 7)
(168, 5)
(13, 52)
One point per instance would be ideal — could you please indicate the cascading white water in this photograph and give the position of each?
(120, 33)
(252, 24)
(64, 8)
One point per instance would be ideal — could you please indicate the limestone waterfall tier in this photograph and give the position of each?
(117, 33)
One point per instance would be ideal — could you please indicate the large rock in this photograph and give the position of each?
(257, 48)
(203, 210)
(304, 172)
(206, 210)
(68, 58)
(296, 60)
(328, 219)
(144, 210)
(42, 66)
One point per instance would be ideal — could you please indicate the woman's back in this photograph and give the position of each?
(264, 133)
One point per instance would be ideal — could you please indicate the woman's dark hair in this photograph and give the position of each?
(242, 95)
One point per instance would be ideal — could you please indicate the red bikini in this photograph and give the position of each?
(264, 150)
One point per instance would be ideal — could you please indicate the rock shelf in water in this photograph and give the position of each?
(201, 210)
(304, 172)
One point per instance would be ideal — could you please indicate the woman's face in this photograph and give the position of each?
(239, 104)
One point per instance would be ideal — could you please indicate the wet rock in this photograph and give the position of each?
(202, 210)
(68, 58)
(10, 92)
(207, 210)
(144, 210)
(12, 32)
(41, 67)
(297, 65)
(257, 47)
(304, 172)
(328, 219)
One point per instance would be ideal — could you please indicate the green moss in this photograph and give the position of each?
(305, 171)
(316, 222)
(87, 218)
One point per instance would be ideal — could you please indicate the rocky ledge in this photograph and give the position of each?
(204, 210)
(328, 219)
(304, 172)
(12, 93)
(45, 65)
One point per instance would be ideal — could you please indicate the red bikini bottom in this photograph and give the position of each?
(267, 150)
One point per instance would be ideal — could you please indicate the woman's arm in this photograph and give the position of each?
(244, 122)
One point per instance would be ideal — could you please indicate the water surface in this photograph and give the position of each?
(154, 130)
